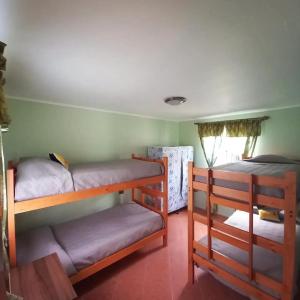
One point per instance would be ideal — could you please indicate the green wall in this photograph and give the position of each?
(88, 135)
(280, 134)
(80, 135)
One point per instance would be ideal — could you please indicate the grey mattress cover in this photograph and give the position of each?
(267, 169)
(90, 175)
(91, 238)
(38, 177)
(37, 243)
(264, 261)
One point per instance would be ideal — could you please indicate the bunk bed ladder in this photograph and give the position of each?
(289, 235)
(250, 249)
(191, 228)
(208, 211)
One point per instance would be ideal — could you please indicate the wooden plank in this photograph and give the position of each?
(269, 181)
(221, 258)
(245, 286)
(231, 176)
(230, 193)
(55, 200)
(268, 282)
(11, 227)
(200, 172)
(229, 203)
(165, 199)
(289, 234)
(200, 218)
(86, 272)
(250, 228)
(230, 239)
(199, 186)
(238, 267)
(269, 201)
(239, 233)
(43, 279)
(160, 161)
(208, 211)
(231, 230)
(149, 207)
(268, 244)
(191, 273)
(151, 192)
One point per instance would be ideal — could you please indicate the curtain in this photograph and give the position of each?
(243, 128)
(213, 131)
(4, 117)
(211, 155)
(210, 129)
(249, 128)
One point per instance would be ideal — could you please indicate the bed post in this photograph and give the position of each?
(11, 218)
(132, 190)
(289, 235)
(190, 223)
(165, 200)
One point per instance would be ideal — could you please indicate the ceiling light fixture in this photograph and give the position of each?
(175, 100)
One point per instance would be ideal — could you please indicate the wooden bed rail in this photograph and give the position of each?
(143, 184)
(155, 193)
(201, 179)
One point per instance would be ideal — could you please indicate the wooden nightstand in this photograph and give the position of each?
(43, 279)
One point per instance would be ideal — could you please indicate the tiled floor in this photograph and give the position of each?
(155, 273)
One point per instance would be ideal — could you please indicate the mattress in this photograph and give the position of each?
(82, 242)
(91, 175)
(40, 242)
(89, 239)
(39, 177)
(264, 261)
(255, 168)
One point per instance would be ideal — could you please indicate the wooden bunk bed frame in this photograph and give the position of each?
(15, 208)
(240, 238)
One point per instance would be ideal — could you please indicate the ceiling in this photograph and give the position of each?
(128, 55)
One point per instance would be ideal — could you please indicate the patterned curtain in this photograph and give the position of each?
(242, 128)
(4, 117)
(250, 128)
(211, 130)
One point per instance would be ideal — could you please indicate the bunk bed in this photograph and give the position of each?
(91, 243)
(256, 257)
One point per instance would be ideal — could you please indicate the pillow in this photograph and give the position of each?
(269, 215)
(270, 158)
(38, 177)
(59, 159)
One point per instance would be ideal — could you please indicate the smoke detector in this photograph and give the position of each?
(177, 100)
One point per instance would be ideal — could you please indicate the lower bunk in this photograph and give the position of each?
(91, 243)
(265, 262)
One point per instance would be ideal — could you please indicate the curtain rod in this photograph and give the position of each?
(215, 122)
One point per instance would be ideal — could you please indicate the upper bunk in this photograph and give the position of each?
(37, 183)
(268, 173)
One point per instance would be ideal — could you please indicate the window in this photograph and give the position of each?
(230, 148)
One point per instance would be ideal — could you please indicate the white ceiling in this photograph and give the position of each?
(128, 55)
